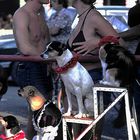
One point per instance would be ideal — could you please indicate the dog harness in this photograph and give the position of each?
(45, 133)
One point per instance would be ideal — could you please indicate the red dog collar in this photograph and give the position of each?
(70, 64)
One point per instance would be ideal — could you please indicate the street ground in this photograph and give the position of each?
(12, 104)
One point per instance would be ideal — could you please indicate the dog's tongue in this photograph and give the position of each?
(36, 102)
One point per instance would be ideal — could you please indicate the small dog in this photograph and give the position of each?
(118, 66)
(75, 77)
(46, 116)
(11, 128)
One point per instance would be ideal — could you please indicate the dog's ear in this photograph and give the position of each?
(59, 45)
(55, 44)
(108, 47)
(11, 121)
(62, 48)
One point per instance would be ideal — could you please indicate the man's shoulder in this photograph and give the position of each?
(21, 12)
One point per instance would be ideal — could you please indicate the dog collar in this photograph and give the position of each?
(70, 64)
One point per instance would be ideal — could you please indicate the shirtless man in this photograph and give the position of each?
(31, 35)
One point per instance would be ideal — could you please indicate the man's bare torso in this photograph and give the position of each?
(35, 33)
(37, 30)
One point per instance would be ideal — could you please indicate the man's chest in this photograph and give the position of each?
(38, 28)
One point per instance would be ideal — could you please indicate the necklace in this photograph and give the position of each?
(84, 11)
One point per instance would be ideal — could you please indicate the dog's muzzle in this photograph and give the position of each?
(19, 91)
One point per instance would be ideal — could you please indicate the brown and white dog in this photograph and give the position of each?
(11, 127)
(118, 66)
(75, 77)
(46, 116)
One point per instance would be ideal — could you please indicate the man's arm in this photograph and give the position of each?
(130, 34)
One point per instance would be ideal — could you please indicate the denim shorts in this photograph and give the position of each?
(35, 74)
(96, 75)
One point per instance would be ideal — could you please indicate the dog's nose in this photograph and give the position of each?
(19, 92)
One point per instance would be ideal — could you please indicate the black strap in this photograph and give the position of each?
(91, 7)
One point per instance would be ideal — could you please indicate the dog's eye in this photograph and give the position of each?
(31, 93)
(20, 90)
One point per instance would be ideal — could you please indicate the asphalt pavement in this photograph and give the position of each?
(15, 105)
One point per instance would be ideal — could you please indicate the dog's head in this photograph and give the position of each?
(10, 122)
(107, 45)
(111, 53)
(33, 96)
(107, 50)
(55, 49)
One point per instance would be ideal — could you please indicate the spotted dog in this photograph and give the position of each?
(46, 116)
(11, 127)
(118, 66)
(75, 77)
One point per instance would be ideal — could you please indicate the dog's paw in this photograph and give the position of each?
(101, 81)
(67, 114)
(81, 115)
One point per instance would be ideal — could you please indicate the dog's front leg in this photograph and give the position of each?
(81, 108)
(69, 111)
